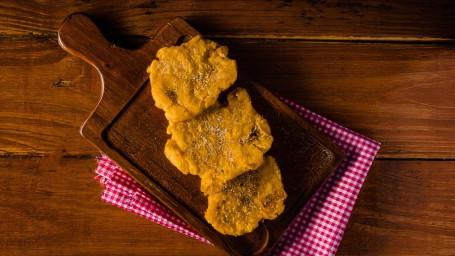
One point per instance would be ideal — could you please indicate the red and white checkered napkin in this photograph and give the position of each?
(319, 227)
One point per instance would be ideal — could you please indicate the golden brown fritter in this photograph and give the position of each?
(236, 207)
(224, 145)
(188, 79)
(222, 142)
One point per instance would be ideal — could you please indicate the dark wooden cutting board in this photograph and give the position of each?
(129, 129)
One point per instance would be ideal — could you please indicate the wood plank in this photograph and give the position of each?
(399, 94)
(52, 206)
(46, 96)
(319, 19)
(404, 208)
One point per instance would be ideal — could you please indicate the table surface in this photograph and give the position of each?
(385, 69)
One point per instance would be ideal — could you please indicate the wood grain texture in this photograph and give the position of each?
(399, 94)
(51, 206)
(45, 97)
(404, 208)
(316, 19)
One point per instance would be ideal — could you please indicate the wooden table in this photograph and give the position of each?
(384, 69)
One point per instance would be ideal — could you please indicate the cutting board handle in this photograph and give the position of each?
(122, 71)
(79, 36)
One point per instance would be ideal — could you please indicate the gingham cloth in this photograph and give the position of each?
(318, 228)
